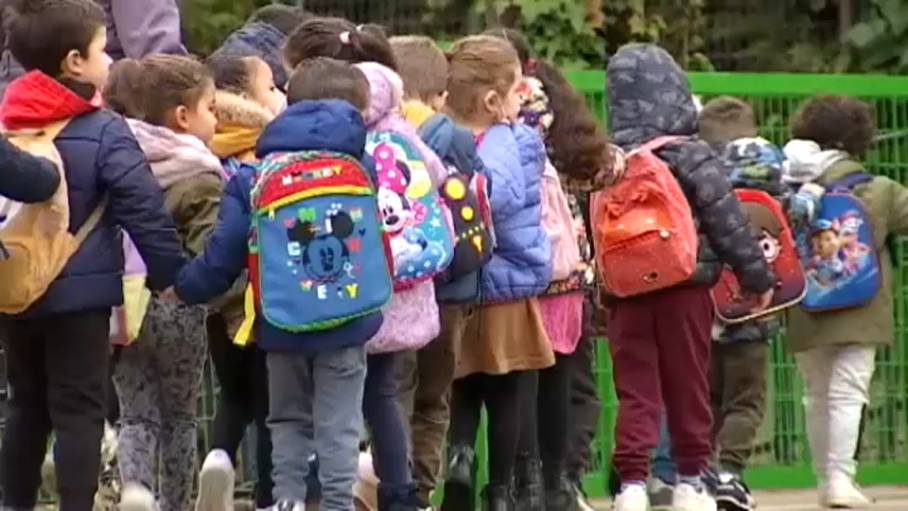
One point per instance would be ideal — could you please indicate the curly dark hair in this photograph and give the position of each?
(835, 122)
(340, 39)
(577, 144)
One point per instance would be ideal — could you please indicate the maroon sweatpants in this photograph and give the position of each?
(660, 347)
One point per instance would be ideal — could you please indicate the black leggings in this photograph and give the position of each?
(242, 374)
(500, 395)
(544, 435)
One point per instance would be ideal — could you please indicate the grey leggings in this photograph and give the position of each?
(158, 379)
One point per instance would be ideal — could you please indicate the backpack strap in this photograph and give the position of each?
(658, 142)
(91, 222)
(48, 132)
(847, 183)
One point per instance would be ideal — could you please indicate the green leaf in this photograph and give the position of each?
(862, 35)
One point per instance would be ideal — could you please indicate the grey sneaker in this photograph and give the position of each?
(660, 493)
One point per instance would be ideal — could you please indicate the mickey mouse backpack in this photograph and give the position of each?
(415, 217)
(318, 256)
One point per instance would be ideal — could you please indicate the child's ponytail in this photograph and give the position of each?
(124, 90)
(577, 144)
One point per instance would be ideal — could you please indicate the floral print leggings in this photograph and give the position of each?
(158, 379)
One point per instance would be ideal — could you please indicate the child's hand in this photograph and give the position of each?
(763, 301)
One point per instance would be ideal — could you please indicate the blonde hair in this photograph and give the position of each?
(477, 64)
(422, 66)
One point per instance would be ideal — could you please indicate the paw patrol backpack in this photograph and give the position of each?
(318, 256)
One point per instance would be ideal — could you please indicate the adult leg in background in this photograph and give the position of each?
(181, 360)
(339, 376)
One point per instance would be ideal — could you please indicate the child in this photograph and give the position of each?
(264, 35)
(835, 350)
(576, 142)
(660, 341)
(245, 102)
(332, 362)
(740, 357)
(506, 337)
(61, 385)
(168, 101)
(425, 376)
(412, 315)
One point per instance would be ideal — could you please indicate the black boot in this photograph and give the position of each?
(559, 494)
(459, 480)
(498, 498)
(529, 491)
(398, 498)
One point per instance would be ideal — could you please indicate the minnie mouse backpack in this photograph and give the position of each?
(318, 256)
(414, 216)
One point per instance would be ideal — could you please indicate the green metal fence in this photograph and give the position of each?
(781, 459)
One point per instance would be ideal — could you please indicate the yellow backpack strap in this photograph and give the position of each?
(244, 334)
(48, 132)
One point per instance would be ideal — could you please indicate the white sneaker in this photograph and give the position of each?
(632, 498)
(842, 493)
(688, 498)
(136, 497)
(216, 483)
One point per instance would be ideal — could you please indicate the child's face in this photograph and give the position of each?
(198, 120)
(262, 89)
(825, 243)
(92, 67)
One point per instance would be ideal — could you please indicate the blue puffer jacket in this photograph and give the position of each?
(330, 125)
(521, 265)
(101, 158)
(456, 147)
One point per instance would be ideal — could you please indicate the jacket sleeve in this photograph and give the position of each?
(137, 203)
(197, 212)
(898, 214)
(212, 273)
(147, 26)
(26, 178)
(436, 168)
(722, 219)
(501, 157)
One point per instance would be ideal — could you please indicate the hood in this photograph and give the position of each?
(240, 122)
(806, 161)
(260, 39)
(648, 96)
(329, 125)
(174, 156)
(387, 91)
(416, 112)
(36, 99)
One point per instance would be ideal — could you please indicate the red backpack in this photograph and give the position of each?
(770, 226)
(643, 227)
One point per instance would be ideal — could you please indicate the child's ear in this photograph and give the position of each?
(492, 102)
(181, 118)
(71, 65)
(438, 102)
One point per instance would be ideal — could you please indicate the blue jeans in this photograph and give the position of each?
(662, 464)
(386, 425)
(335, 378)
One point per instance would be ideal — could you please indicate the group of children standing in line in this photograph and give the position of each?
(165, 148)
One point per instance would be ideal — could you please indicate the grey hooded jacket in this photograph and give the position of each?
(649, 97)
(134, 28)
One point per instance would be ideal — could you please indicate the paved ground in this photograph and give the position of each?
(888, 498)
